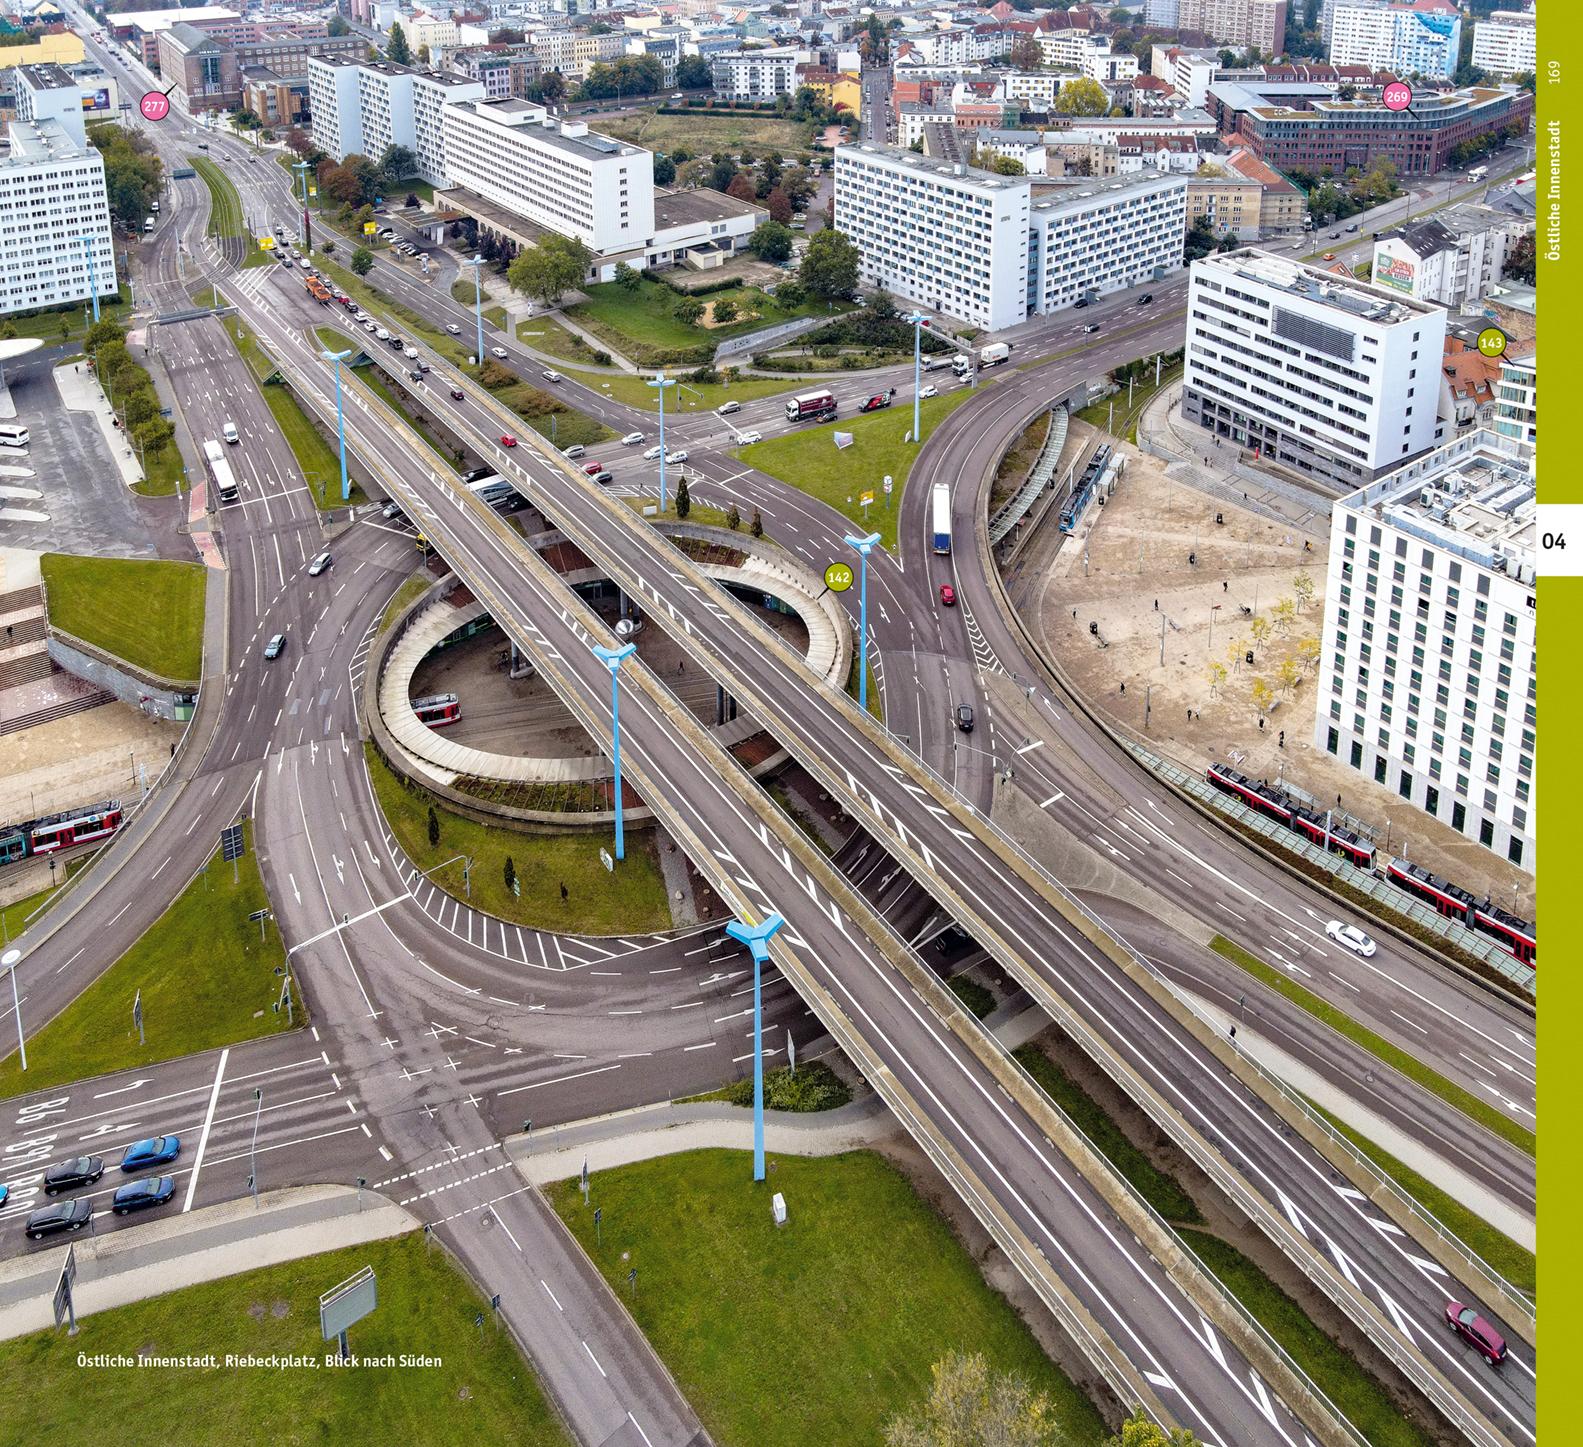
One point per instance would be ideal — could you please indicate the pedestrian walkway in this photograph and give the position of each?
(599, 344)
(137, 1262)
(81, 392)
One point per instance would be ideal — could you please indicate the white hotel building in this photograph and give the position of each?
(1426, 681)
(1312, 370)
(52, 194)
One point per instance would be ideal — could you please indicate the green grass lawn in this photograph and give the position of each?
(1118, 415)
(704, 134)
(207, 980)
(1393, 1055)
(817, 1332)
(404, 595)
(53, 327)
(148, 613)
(1515, 1262)
(1159, 1188)
(225, 206)
(319, 463)
(15, 916)
(631, 899)
(545, 334)
(976, 1000)
(483, 1392)
(641, 323)
(689, 396)
(1334, 1371)
(808, 458)
(494, 314)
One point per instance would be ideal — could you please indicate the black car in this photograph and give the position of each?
(68, 1175)
(62, 1216)
(1082, 301)
(964, 717)
(138, 1195)
(1147, 299)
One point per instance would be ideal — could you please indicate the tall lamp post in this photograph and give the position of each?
(340, 417)
(757, 938)
(863, 546)
(477, 263)
(93, 278)
(613, 658)
(917, 319)
(301, 168)
(660, 382)
(9, 961)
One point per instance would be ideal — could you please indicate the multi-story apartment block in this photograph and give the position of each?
(363, 107)
(1308, 369)
(1506, 43)
(575, 52)
(56, 246)
(1517, 398)
(1455, 257)
(1232, 204)
(51, 93)
(757, 75)
(504, 70)
(940, 234)
(1426, 678)
(1092, 237)
(1240, 24)
(1424, 36)
(553, 173)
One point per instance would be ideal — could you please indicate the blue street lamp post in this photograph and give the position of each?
(757, 938)
(660, 383)
(613, 658)
(917, 320)
(477, 263)
(93, 278)
(863, 546)
(340, 418)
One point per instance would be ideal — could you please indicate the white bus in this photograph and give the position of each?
(13, 434)
(225, 488)
(496, 492)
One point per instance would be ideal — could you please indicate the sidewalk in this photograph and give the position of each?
(81, 392)
(597, 343)
(138, 1262)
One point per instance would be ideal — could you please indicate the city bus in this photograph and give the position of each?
(225, 487)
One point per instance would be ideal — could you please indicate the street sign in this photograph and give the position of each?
(257, 915)
(64, 1309)
(369, 228)
(838, 577)
(607, 861)
(346, 1303)
(232, 844)
(889, 485)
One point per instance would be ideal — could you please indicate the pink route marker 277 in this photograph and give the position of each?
(155, 105)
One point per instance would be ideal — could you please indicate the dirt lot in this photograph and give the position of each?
(1127, 571)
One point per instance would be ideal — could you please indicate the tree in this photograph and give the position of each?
(1282, 614)
(506, 36)
(552, 86)
(664, 171)
(791, 294)
(327, 247)
(724, 312)
(397, 48)
(627, 278)
(1522, 261)
(1260, 629)
(362, 261)
(799, 186)
(139, 408)
(687, 310)
(397, 164)
(830, 266)
(509, 874)
(337, 27)
(548, 271)
(742, 187)
(1026, 53)
(734, 517)
(1200, 238)
(756, 525)
(693, 72)
(881, 305)
(779, 206)
(970, 1404)
(1007, 166)
(1288, 675)
(1083, 96)
(1308, 650)
(423, 53)
(1303, 586)
(723, 170)
(1263, 695)
(684, 500)
(1217, 676)
(299, 140)
(1139, 1431)
(434, 827)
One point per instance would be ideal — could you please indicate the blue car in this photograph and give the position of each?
(135, 1195)
(159, 1151)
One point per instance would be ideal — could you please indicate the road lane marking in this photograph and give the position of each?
(208, 1120)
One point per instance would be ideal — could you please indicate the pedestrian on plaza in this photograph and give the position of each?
(1225, 587)
(1123, 688)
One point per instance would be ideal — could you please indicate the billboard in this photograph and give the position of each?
(94, 101)
(1396, 272)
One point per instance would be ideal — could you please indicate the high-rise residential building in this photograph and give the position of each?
(554, 173)
(1090, 237)
(1310, 370)
(1423, 37)
(756, 75)
(51, 93)
(1516, 399)
(1240, 24)
(1426, 675)
(1506, 43)
(362, 107)
(56, 246)
(939, 233)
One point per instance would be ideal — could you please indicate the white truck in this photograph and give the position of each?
(994, 354)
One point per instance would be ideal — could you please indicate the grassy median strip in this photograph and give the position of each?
(479, 1389)
(148, 613)
(225, 206)
(630, 899)
(207, 979)
(1393, 1055)
(1513, 1261)
(807, 458)
(545, 334)
(819, 1332)
(1334, 1371)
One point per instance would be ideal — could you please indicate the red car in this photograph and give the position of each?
(878, 400)
(1476, 1332)
(947, 596)
(456, 394)
(507, 440)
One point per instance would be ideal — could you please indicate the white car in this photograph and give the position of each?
(370, 326)
(500, 352)
(929, 391)
(453, 329)
(411, 353)
(1350, 937)
(550, 375)
(674, 457)
(652, 455)
(744, 438)
(632, 439)
(382, 334)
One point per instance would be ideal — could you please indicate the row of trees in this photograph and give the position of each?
(129, 388)
(133, 174)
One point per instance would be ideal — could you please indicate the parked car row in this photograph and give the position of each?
(80, 1171)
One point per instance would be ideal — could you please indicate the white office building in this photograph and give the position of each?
(51, 93)
(1424, 37)
(757, 75)
(1426, 680)
(362, 107)
(1311, 370)
(1506, 43)
(554, 173)
(1095, 236)
(938, 233)
(56, 246)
